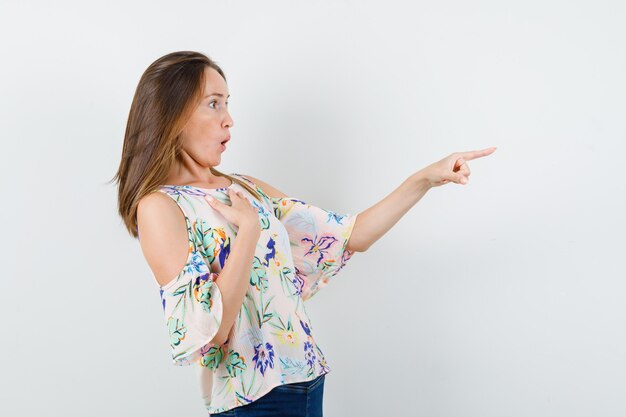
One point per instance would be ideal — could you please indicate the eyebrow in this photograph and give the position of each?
(216, 94)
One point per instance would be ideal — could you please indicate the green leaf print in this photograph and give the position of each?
(208, 240)
(212, 358)
(177, 330)
(254, 309)
(258, 276)
(288, 281)
(202, 291)
(236, 364)
(267, 316)
(292, 366)
(263, 215)
(265, 222)
(280, 324)
(180, 290)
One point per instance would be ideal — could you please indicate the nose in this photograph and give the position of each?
(228, 121)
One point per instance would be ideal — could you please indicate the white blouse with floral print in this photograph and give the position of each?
(271, 342)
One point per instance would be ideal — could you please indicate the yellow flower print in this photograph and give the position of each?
(288, 337)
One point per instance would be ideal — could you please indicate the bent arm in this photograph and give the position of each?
(234, 278)
(164, 244)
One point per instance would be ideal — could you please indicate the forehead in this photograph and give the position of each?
(214, 83)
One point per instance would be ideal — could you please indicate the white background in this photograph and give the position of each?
(502, 297)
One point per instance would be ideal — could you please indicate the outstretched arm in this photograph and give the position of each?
(374, 222)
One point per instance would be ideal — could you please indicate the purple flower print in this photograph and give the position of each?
(298, 281)
(320, 245)
(183, 189)
(271, 254)
(305, 327)
(323, 243)
(162, 298)
(309, 353)
(263, 356)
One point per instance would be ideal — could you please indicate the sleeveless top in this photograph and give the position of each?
(271, 342)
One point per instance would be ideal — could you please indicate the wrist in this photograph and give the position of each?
(251, 226)
(420, 181)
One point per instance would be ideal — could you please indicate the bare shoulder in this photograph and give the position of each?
(162, 235)
(155, 202)
(156, 206)
(267, 189)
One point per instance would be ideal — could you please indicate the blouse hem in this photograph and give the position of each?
(271, 387)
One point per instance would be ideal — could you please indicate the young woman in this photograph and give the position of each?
(235, 258)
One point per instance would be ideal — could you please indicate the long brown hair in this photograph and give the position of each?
(167, 94)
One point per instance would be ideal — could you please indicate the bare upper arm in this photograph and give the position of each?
(163, 236)
(267, 189)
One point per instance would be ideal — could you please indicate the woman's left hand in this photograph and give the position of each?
(452, 168)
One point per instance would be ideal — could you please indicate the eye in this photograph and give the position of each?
(215, 101)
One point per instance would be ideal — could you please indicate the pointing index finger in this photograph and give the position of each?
(469, 155)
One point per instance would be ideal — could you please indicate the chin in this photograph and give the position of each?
(217, 161)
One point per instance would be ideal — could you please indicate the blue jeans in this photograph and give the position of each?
(300, 399)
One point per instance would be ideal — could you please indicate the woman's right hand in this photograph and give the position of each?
(240, 213)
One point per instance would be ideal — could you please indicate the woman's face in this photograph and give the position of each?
(209, 123)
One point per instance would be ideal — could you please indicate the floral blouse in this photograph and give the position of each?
(271, 342)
